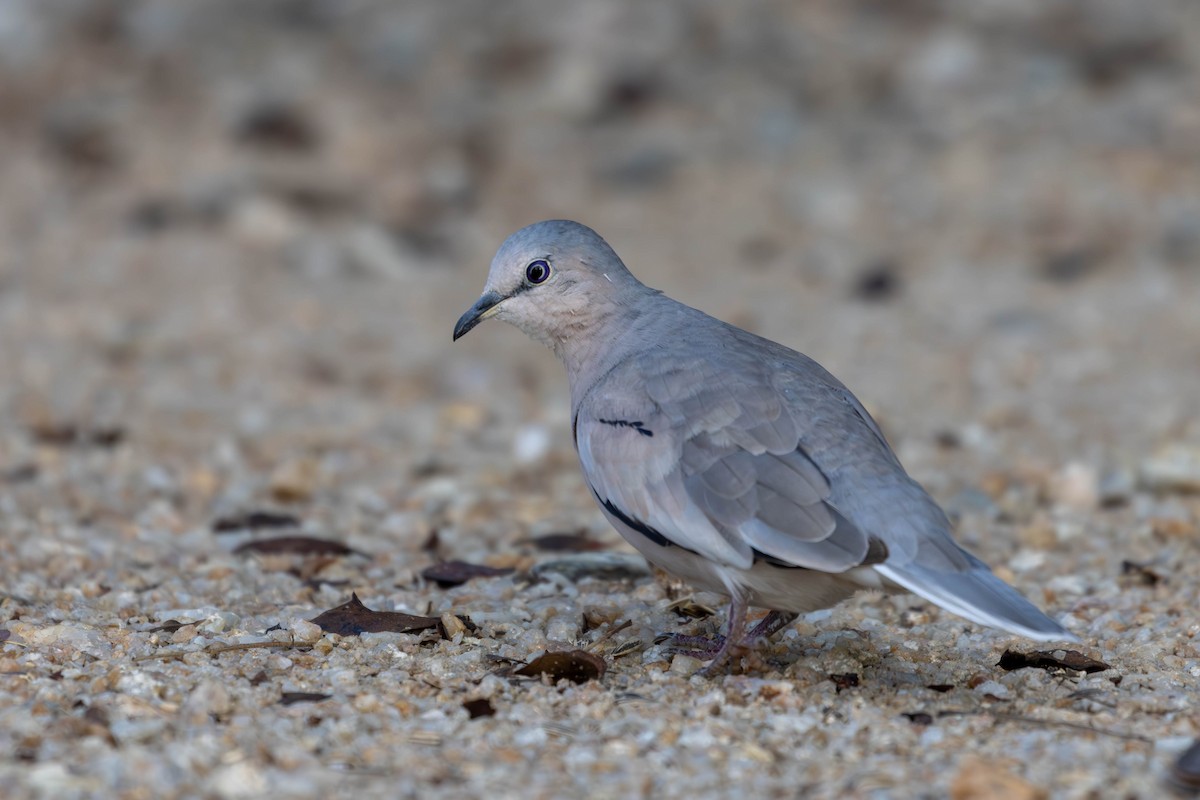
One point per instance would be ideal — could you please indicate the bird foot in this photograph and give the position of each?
(717, 649)
(704, 648)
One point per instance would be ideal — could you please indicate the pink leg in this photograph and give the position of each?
(769, 625)
(733, 636)
(720, 648)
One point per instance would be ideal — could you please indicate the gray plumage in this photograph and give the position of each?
(728, 459)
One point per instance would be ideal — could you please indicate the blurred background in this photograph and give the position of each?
(236, 236)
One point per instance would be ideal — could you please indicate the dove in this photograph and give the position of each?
(729, 460)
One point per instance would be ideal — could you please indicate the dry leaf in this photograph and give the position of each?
(22, 473)
(298, 545)
(255, 519)
(578, 666)
(456, 573)
(353, 618)
(1140, 573)
(71, 435)
(291, 698)
(845, 680)
(688, 608)
(1051, 660)
(566, 542)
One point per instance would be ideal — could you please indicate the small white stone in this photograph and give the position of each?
(685, 665)
(531, 444)
(1076, 486)
(1026, 560)
(453, 626)
(220, 622)
(305, 631)
(994, 688)
(240, 780)
(1174, 468)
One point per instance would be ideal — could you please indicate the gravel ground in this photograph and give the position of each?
(236, 239)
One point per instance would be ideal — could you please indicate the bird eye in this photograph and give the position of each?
(537, 271)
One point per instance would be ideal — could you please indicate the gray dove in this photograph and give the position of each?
(729, 460)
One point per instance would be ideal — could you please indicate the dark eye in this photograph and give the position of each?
(537, 271)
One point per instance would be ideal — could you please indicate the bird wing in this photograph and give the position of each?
(749, 450)
(715, 464)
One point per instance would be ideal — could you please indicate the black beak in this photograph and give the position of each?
(476, 314)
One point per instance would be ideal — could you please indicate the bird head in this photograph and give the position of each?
(553, 280)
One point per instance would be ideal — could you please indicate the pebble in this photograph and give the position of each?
(220, 622)
(993, 688)
(209, 698)
(264, 222)
(1117, 485)
(1173, 468)
(243, 779)
(981, 779)
(295, 481)
(452, 625)
(531, 444)
(1076, 486)
(304, 631)
(685, 665)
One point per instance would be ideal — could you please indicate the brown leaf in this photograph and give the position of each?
(353, 618)
(940, 687)
(168, 626)
(578, 666)
(688, 608)
(298, 545)
(278, 125)
(845, 680)
(1140, 573)
(71, 435)
(22, 473)
(566, 542)
(878, 281)
(480, 707)
(291, 698)
(1072, 660)
(455, 573)
(255, 519)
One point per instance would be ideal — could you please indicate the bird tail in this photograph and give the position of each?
(978, 595)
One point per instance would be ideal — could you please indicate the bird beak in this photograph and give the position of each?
(484, 307)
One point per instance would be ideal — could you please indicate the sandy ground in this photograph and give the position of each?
(236, 238)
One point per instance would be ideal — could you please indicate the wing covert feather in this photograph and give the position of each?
(735, 461)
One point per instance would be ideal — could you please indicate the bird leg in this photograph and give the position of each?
(769, 625)
(720, 648)
(733, 635)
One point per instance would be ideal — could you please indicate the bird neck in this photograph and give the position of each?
(613, 331)
(585, 339)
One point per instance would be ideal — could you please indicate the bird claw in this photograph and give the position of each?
(717, 649)
(704, 648)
